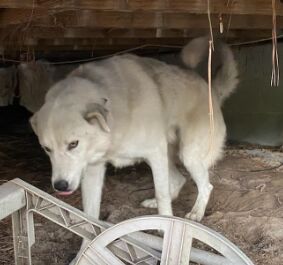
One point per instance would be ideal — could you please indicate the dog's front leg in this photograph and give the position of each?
(92, 184)
(158, 162)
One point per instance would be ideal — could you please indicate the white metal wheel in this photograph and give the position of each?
(176, 245)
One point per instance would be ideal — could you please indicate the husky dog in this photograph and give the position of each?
(127, 109)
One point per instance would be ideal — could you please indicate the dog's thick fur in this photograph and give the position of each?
(128, 109)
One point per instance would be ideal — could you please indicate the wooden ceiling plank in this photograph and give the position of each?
(63, 5)
(13, 33)
(97, 50)
(21, 16)
(121, 20)
(112, 42)
(94, 42)
(262, 7)
(69, 33)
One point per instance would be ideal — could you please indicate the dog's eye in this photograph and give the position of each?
(46, 149)
(73, 145)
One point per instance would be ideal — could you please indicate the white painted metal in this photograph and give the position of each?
(12, 198)
(176, 246)
(22, 200)
(70, 218)
(21, 246)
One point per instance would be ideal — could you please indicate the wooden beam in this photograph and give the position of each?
(92, 50)
(64, 5)
(112, 43)
(153, 21)
(139, 20)
(69, 54)
(21, 16)
(15, 34)
(262, 7)
(95, 42)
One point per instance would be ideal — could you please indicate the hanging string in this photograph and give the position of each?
(275, 75)
(230, 17)
(30, 17)
(210, 104)
(210, 24)
(221, 26)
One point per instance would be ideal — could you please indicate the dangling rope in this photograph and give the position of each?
(230, 16)
(210, 24)
(275, 75)
(221, 26)
(210, 102)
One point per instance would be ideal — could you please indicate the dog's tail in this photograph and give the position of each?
(224, 68)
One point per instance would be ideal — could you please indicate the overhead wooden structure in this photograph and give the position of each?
(113, 25)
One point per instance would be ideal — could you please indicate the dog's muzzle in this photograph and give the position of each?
(62, 187)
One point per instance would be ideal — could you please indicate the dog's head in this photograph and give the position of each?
(72, 128)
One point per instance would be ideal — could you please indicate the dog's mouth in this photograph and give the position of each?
(65, 193)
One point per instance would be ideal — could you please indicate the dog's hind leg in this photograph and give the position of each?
(176, 178)
(200, 175)
(177, 181)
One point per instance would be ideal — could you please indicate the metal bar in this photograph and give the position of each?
(22, 251)
(146, 244)
(12, 199)
(197, 255)
(29, 220)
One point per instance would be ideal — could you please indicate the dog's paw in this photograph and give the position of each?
(150, 203)
(194, 216)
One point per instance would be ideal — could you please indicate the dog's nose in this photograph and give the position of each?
(61, 185)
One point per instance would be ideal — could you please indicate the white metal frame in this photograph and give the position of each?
(22, 200)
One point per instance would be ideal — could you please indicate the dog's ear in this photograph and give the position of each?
(97, 113)
(33, 122)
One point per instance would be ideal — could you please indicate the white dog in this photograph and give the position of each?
(128, 109)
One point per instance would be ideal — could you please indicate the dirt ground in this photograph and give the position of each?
(246, 205)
